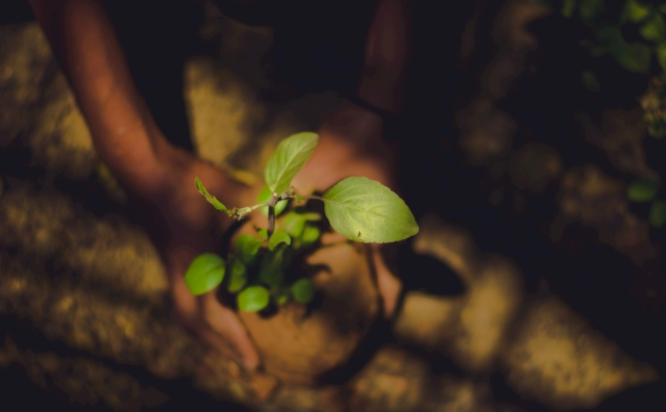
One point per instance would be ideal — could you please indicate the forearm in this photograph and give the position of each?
(124, 134)
(387, 52)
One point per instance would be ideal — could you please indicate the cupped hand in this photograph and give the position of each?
(184, 225)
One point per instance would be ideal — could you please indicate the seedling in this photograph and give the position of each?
(259, 268)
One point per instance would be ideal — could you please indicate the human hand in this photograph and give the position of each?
(183, 225)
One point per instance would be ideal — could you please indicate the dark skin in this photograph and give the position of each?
(159, 177)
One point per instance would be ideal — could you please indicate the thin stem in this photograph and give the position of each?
(255, 207)
(271, 220)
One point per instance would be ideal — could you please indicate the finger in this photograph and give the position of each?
(388, 284)
(228, 326)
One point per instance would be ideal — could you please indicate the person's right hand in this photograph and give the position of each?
(183, 225)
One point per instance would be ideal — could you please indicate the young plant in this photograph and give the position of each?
(258, 271)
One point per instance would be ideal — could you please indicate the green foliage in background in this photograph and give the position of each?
(633, 33)
(259, 269)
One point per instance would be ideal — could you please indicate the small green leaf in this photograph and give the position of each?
(294, 224)
(289, 157)
(303, 291)
(589, 9)
(312, 216)
(278, 237)
(265, 196)
(634, 57)
(263, 233)
(568, 8)
(210, 198)
(283, 297)
(271, 269)
(635, 12)
(238, 276)
(253, 299)
(590, 81)
(642, 190)
(247, 247)
(657, 216)
(367, 211)
(661, 56)
(654, 29)
(310, 235)
(204, 274)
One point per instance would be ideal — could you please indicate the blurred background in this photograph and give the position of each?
(531, 149)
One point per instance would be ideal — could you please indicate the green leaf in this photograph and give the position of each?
(247, 247)
(205, 273)
(288, 159)
(568, 7)
(210, 198)
(238, 276)
(642, 190)
(310, 235)
(265, 196)
(253, 299)
(657, 216)
(661, 56)
(278, 237)
(634, 57)
(635, 12)
(263, 233)
(654, 29)
(312, 216)
(589, 9)
(294, 224)
(365, 210)
(271, 269)
(590, 81)
(303, 291)
(283, 297)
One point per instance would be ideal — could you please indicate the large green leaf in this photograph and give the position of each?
(367, 211)
(253, 299)
(288, 159)
(210, 198)
(205, 273)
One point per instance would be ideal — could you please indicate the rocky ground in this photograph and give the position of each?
(84, 309)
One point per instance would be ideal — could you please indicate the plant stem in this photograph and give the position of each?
(271, 220)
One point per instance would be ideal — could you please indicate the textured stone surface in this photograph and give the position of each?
(557, 359)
